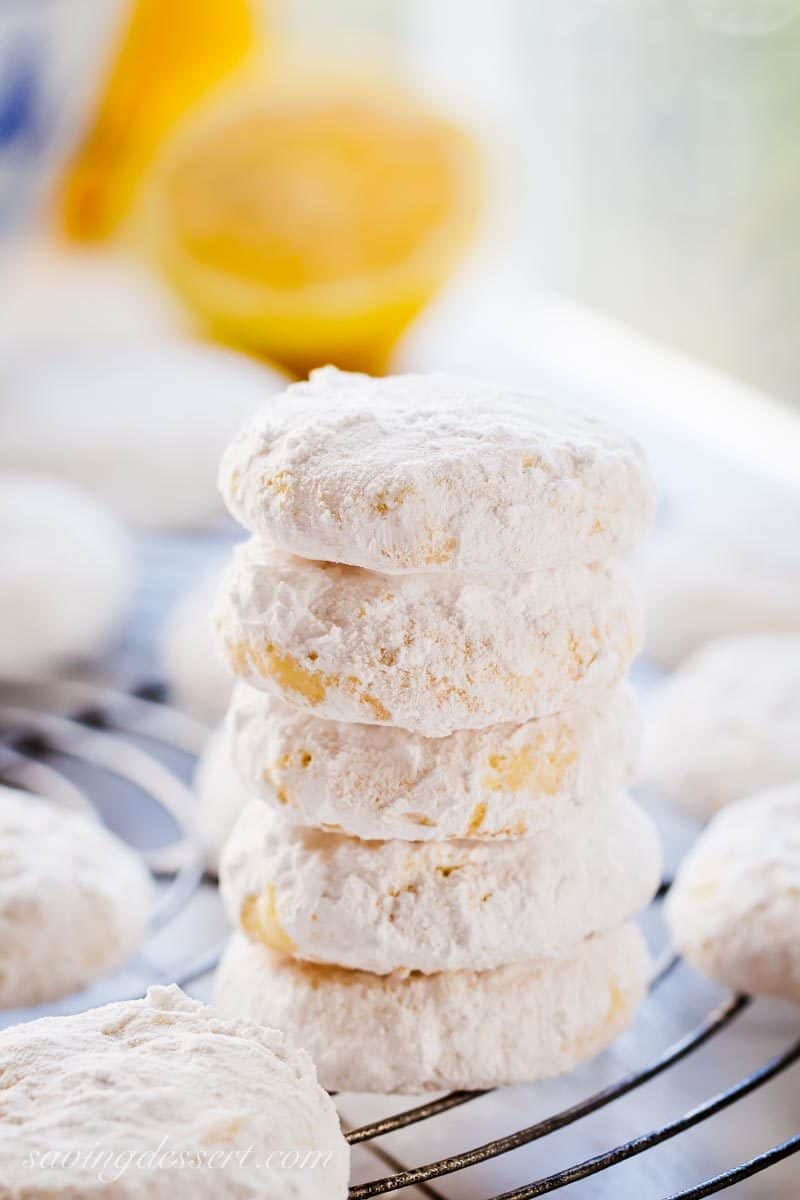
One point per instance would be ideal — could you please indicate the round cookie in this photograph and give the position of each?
(74, 900)
(199, 682)
(221, 795)
(65, 574)
(736, 577)
(142, 426)
(430, 653)
(434, 473)
(373, 781)
(444, 1032)
(734, 909)
(727, 724)
(438, 906)
(68, 297)
(164, 1097)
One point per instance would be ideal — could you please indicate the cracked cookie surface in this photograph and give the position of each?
(438, 906)
(428, 653)
(373, 781)
(434, 473)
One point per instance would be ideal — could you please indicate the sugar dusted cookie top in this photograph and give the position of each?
(66, 574)
(434, 473)
(732, 572)
(727, 724)
(163, 1074)
(74, 900)
(734, 909)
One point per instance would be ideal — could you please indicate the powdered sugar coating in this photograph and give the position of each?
(197, 677)
(438, 906)
(165, 1076)
(74, 900)
(727, 724)
(373, 781)
(429, 653)
(90, 413)
(221, 795)
(739, 576)
(65, 574)
(734, 909)
(434, 473)
(445, 1032)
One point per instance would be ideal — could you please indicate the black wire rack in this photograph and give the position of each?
(59, 738)
(111, 731)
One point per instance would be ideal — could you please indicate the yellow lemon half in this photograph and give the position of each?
(310, 220)
(170, 53)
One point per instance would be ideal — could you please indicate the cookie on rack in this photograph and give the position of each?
(65, 575)
(457, 1029)
(438, 906)
(199, 682)
(142, 426)
(434, 473)
(734, 575)
(734, 909)
(74, 900)
(221, 795)
(429, 653)
(373, 781)
(727, 724)
(164, 1097)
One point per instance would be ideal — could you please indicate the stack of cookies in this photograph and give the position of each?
(436, 877)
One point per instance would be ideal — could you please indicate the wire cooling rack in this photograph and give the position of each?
(64, 739)
(79, 744)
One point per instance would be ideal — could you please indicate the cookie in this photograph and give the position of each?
(164, 1097)
(68, 297)
(736, 578)
(198, 680)
(74, 900)
(438, 906)
(434, 473)
(144, 425)
(457, 1029)
(373, 781)
(429, 653)
(65, 575)
(727, 724)
(734, 909)
(221, 795)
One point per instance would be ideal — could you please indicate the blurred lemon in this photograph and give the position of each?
(310, 219)
(171, 53)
